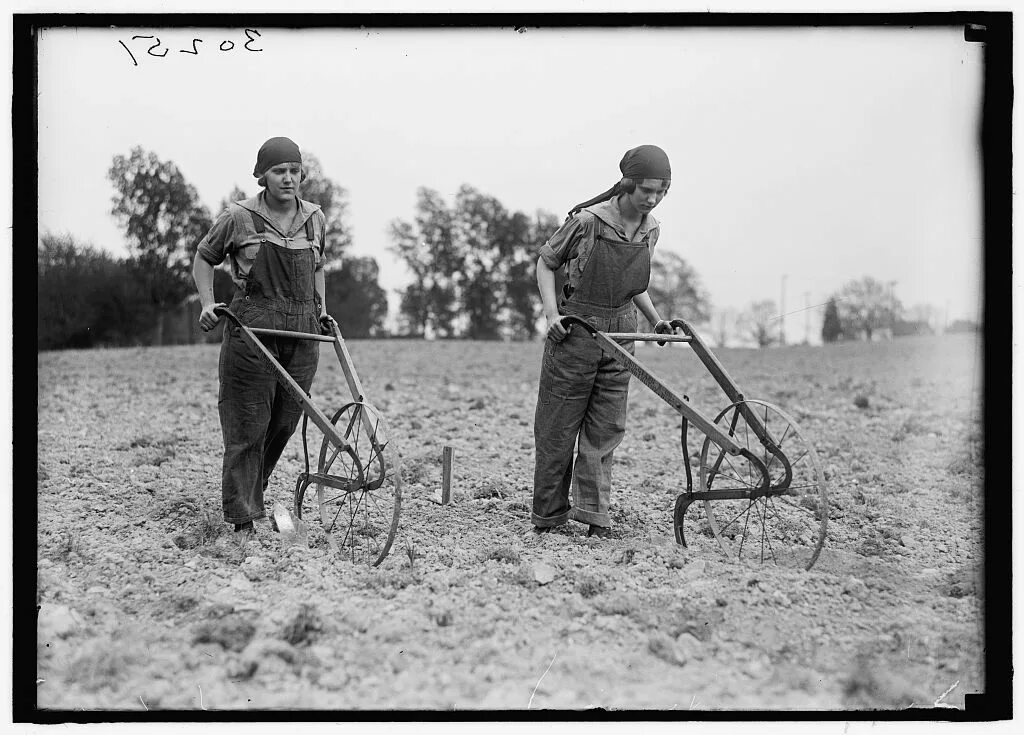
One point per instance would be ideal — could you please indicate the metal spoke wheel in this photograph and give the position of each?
(361, 516)
(786, 529)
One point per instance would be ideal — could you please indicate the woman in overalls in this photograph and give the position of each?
(274, 245)
(605, 249)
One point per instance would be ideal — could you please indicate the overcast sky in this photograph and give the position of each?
(821, 155)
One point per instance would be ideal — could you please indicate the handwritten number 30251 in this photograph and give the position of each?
(156, 48)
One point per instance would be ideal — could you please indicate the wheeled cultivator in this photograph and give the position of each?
(759, 480)
(358, 476)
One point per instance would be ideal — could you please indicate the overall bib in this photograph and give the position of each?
(257, 416)
(582, 395)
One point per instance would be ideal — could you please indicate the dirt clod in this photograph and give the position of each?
(305, 627)
(232, 632)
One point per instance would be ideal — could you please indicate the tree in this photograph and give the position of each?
(236, 195)
(482, 241)
(522, 300)
(471, 266)
(355, 298)
(86, 297)
(353, 292)
(758, 321)
(163, 220)
(333, 200)
(72, 282)
(428, 249)
(676, 290)
(831, 328)
(866, 305)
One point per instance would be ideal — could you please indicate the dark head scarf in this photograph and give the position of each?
(273, 152)
(642, 162)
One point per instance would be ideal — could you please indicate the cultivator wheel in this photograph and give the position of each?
(358, 486)
(785, 528)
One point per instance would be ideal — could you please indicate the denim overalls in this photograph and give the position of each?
(582, 392)
(257, 416)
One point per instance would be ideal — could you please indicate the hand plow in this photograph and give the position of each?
(358, 477)
(759, 481)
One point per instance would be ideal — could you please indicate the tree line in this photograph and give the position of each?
(88, 297)
(470, 264)
(862, 309)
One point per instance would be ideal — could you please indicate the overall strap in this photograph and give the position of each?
(309, 231)
(258, 222)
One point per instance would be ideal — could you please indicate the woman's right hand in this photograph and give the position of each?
(207, 319)
(556, 330)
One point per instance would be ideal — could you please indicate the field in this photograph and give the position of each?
(145, 604)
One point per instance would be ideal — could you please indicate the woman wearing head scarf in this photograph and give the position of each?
(274, 246)
(601, 256)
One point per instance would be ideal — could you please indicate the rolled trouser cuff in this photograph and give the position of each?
(245, 519)
(592, 517)
(549, 521)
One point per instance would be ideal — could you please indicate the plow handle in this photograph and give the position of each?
(328, 325)
(225, 311)
(570, 321)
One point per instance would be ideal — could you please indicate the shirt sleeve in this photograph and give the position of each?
(653, 239)
(216, 244)
(563, 246)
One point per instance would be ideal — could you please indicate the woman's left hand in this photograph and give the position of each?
(664, 326)
(327, 324)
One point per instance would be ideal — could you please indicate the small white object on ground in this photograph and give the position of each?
(291, 528)
(543, 573)
(282, 518)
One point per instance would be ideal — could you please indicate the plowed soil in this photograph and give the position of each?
(145, 602)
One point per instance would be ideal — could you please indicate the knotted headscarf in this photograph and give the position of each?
(642, 162)
(273, 152)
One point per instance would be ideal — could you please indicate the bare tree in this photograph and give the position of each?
(866, 305)
(676, 290)
(759, 322)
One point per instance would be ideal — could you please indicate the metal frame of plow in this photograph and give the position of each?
(315, 414)
(608, 344)
(251, 336)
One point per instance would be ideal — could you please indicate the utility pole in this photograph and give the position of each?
(892, 304)
(782, 313)
(807, 317)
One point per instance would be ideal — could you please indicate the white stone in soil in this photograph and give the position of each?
(543, 573)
